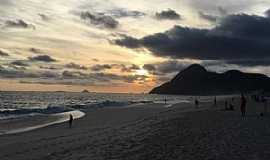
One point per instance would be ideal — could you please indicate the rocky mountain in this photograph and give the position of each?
(196, 80)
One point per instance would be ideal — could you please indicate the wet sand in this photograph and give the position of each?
(150, 131)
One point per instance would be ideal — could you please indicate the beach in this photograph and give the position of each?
(149, 131)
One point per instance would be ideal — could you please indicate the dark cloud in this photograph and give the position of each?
(5, 73)
(3, 53)
(122, 67)
(44, 17)
(19, 23)
(68, 77)
(19, 63)
(121, 13)
(267, 13)
(42, 58)
(128, 41)
(126, 78)
(7, 3)
(166, 67)
(130, 68)
(236, 37)
(75, 66)
(96, 79)
(222, 11)
(208, 17)
(100, 20)
(101, 67)
(249, 63)
(74, 75)
(102, 77)
(50, 67)
(168, 14)
(95, 60)
(21, 74)
(35, 50)
(149, 67)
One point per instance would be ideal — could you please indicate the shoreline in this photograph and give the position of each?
(31, 123)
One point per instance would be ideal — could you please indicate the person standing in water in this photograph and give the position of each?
(215, 101)
(70, 120)
(243, 105)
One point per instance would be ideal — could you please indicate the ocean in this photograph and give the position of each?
(23, 111)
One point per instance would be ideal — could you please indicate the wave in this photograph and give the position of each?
(62, 108)
(48, 110)
(105, 104)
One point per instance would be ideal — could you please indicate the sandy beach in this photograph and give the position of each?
(149, 131)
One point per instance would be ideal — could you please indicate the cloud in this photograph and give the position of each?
(19, 73)
(166, 67)
(75, 66)
(222, 11)
(74, 75)
(94, 79)
(229, 6)
(35, 50)
(102, 77)
(19, 63)
(168, 14)
(239, 36)
(128, 41)
(3, 53)
(44, 17)
(42, 58)
(149, 67)
(6, 3)
(101, 67)
(19, 23)
(95, 60)
(250, 63)
(50, 67)
(208, 17)
(100, 20)
(122, 67)
(121, 13)
(130, 68)
(267, 13)
(126, 78)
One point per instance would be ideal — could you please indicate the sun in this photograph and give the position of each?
(142, 72)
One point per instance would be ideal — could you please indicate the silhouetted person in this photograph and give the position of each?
(264, 101)
(70, 120)
(243, 105)
(226, 105)
(196, 103)
(215, 101)
(165, 100)
(231, 107)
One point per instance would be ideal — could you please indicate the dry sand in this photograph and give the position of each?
(149, 132)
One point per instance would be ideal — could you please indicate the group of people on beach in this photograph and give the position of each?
(243, 105)
(229, 106)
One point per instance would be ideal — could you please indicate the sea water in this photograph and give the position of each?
(23, 111)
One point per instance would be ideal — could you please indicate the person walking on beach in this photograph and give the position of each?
(70, 120)
(226, 105)
(196, 103)
(243, 105)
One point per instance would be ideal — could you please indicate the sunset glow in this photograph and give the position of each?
(73, 45)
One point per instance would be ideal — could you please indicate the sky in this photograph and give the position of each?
(127, 46)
